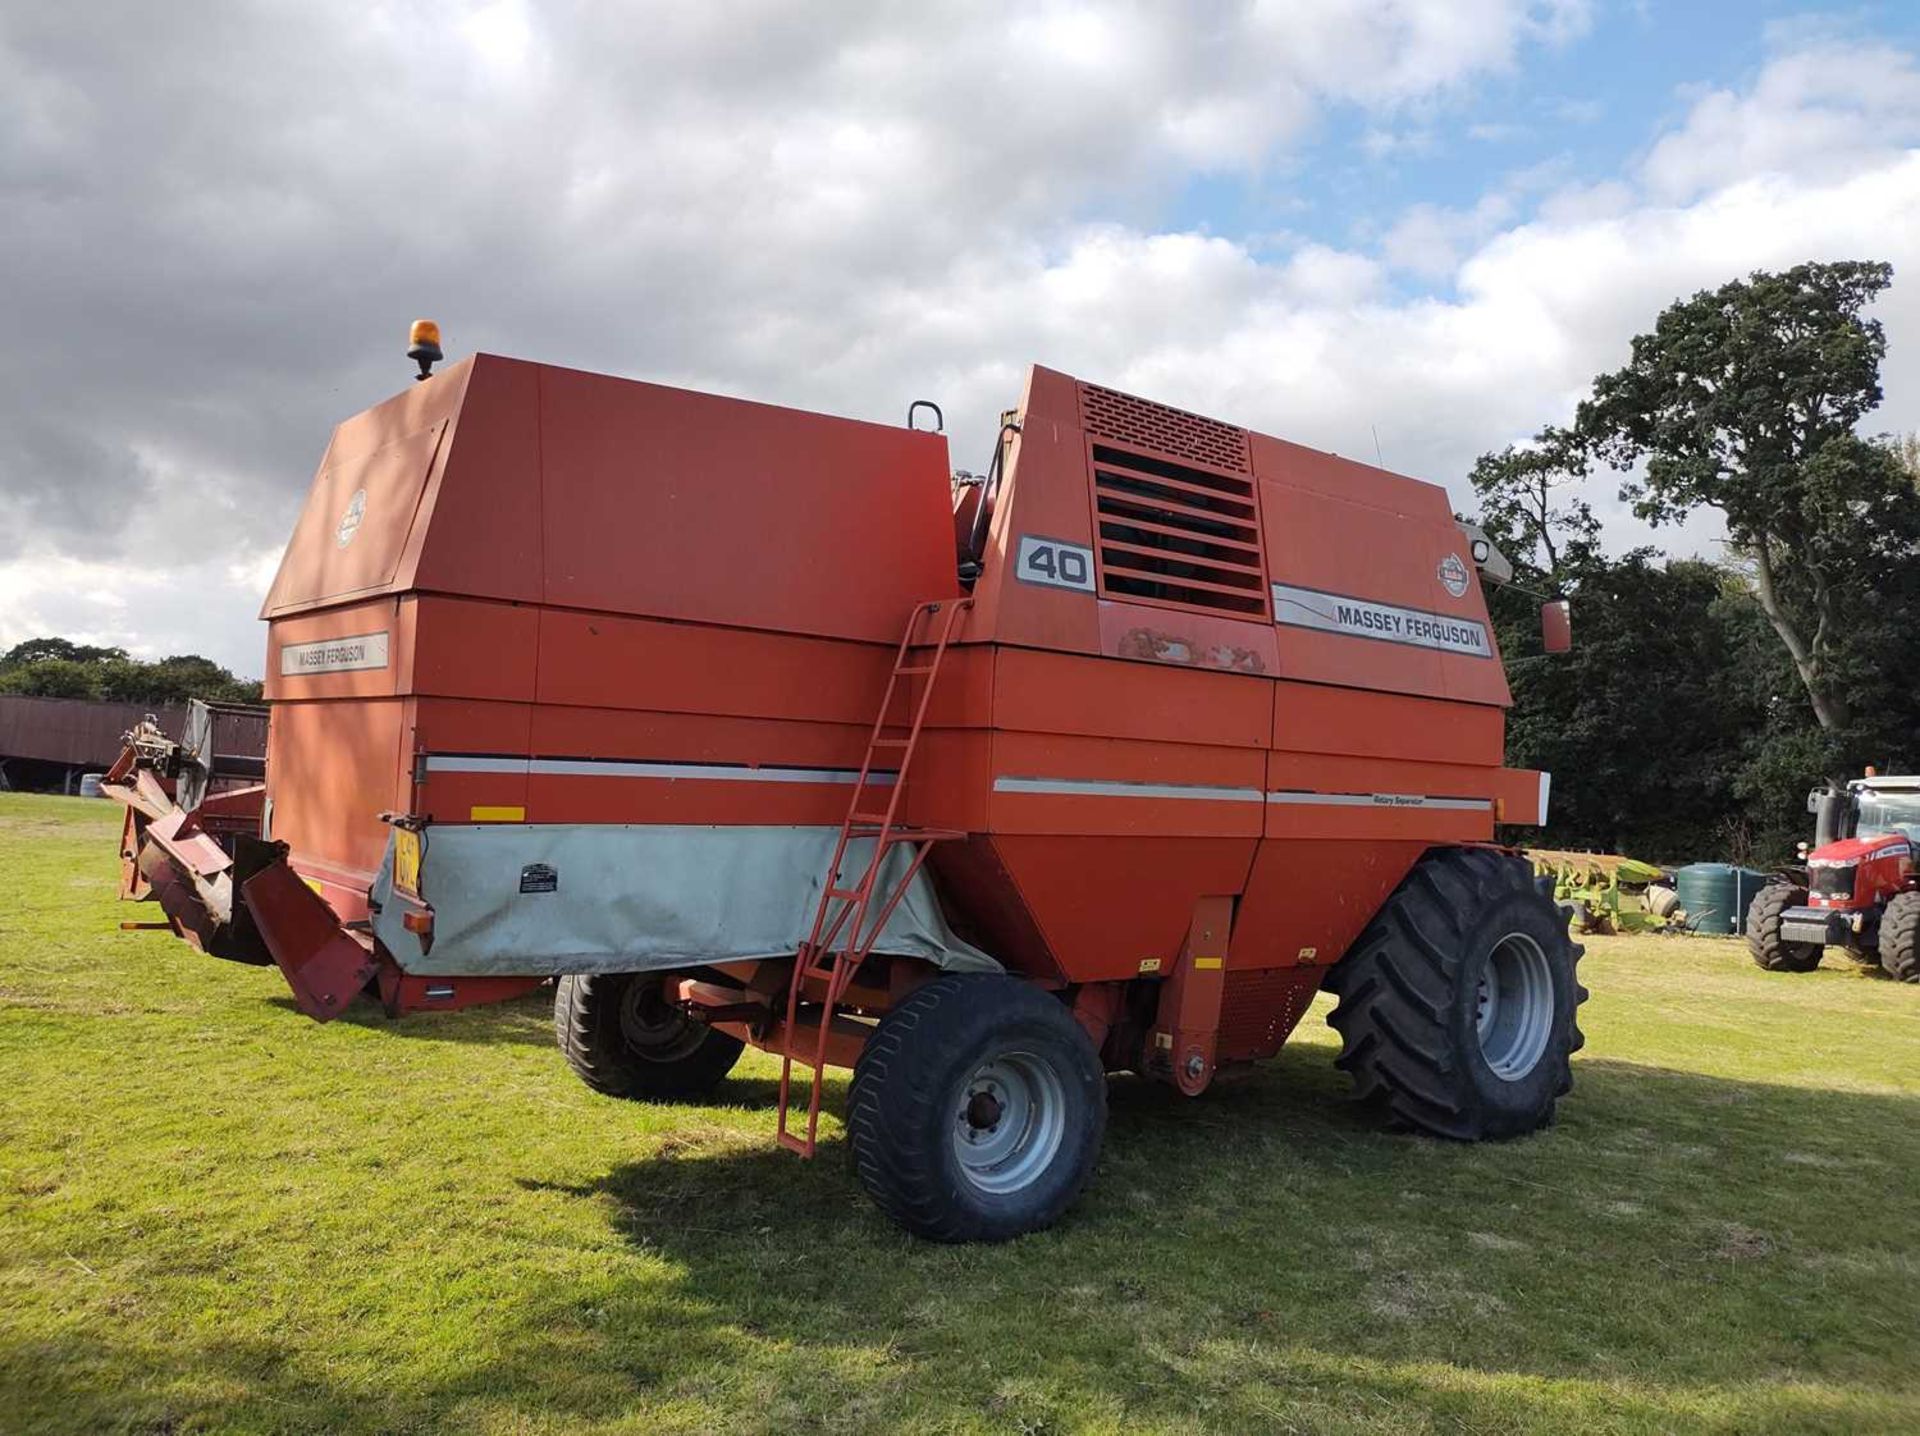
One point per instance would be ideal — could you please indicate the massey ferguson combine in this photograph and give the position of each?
(1862, 892)
(753, 726)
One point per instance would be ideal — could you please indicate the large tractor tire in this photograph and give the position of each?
(1900, 937)
(1458, 1004)
(977, 1110)
(1769, 949)
(623, 1039)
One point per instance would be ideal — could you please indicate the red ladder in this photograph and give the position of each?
(849, 920)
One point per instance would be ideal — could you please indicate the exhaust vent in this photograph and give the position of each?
(1178, 535)
(1140, 423)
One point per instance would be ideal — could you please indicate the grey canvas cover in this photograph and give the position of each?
(538, 899)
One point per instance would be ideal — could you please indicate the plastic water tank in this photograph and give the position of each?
(1716, 896)
(90, 784)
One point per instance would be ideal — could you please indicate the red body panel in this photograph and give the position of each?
(1883, 866)
(650, 594)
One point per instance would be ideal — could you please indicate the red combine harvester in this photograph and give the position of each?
(1863, 883)
(753, 726)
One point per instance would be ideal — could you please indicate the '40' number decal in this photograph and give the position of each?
(1059, 565)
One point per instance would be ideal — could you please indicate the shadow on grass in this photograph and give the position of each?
(525, 1021)
(1679, 1252)
(1675, 1240)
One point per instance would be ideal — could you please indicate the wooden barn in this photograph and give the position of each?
(48, 744)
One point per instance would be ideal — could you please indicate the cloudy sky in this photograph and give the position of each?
(1427, 220)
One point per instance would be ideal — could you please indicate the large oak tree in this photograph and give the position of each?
(1745, 399)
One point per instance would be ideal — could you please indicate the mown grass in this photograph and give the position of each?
(216, 1215)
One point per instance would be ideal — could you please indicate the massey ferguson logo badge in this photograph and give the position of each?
(350, 520)
(1453, 575)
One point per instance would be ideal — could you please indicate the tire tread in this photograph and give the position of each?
(1395, 1042)
(1900, 937)
(586, 1027)
(1768, 948)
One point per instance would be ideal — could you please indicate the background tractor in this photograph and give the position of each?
(1862, 889)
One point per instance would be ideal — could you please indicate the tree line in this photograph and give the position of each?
(58, 668)
(1705, 696)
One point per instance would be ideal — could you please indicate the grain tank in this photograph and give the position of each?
(754, 726)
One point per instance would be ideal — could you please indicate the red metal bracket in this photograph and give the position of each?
(1186, 1030)
(324, 964)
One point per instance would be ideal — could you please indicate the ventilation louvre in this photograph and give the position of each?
(1173, 534)
(1144, 424)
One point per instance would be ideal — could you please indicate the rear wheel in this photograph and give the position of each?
(624, 1039)
(1457, 1005)
(977, 1110)
(1770, 950)
(1900, 937)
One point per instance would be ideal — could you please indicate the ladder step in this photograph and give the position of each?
(905, 833)
(842, 946)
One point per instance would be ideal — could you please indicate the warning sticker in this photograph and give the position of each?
(1364, 618)
(335, 655)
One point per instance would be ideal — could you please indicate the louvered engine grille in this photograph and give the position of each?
(1112, 415)
(1170, 533)
(1829, 881)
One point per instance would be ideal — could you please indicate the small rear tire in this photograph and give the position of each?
(623, 1039)
(1457, 1004)
(1770, 950)
(977, 1110)
(1900, 937)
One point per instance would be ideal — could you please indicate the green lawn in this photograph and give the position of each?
(216, 1215)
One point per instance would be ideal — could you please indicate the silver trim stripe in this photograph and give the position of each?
(621, 768)
(1091, 788)
(1006, 783)
(1380, 800)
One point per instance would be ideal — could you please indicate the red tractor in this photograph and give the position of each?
(1862, 890)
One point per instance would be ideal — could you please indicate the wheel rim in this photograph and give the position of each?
(1513, 1007)
(1009, 1122)
(654, 1029)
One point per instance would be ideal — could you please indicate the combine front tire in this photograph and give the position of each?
(1457, 1005)
(624, 1039)
(1770, 950)
(1900, 937)
(977, 1110)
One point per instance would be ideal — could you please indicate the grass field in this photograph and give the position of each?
(216, 1215)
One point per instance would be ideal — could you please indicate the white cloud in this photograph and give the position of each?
(1816, 114)
(153, 610)
(845, 217)
(1430, 240)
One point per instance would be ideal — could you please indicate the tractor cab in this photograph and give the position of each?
(1887, 808)
(1865, 839)
(1863, 888)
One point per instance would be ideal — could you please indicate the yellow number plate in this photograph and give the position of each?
(406, 861)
